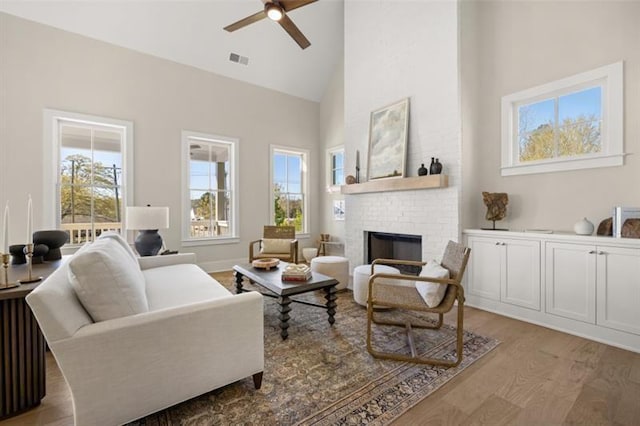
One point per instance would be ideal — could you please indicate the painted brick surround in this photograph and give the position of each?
(394, 52)
(432, 214)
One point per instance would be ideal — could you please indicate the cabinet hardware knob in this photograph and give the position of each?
(504, 244)
(497, 243)
(592, 252)
(601, 252)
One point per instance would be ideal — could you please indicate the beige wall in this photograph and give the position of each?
(510, 46)
(42, 67)
(331, 136)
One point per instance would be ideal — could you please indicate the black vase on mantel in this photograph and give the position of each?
(422, 171)
(435, 168)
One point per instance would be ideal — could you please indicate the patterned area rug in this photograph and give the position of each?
(323, 375)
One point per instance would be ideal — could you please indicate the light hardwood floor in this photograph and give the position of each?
(536, 376)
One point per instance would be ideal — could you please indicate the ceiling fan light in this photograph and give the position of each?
(274, 11)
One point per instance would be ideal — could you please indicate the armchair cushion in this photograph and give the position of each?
(107, 281)
(432, 293)
(276, 245)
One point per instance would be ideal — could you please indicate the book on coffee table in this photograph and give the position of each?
(296, 273)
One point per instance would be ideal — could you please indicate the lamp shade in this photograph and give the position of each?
(142, 218)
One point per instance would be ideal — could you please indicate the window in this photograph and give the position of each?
(335, 169)
(289, 187)
(570, 124)
(90, 167)
(210, 202)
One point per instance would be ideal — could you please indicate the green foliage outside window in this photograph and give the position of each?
(77, 191)
(573, 137)
(287, 209)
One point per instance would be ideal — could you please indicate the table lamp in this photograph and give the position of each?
(148, 220)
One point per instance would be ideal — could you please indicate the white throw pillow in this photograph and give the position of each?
(117, 237)
(107, 281)
(432, 293)
(276, 245)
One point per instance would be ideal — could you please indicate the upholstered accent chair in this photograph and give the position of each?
(435, 291)
(277, 242)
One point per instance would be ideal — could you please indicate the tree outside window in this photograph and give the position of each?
(564, 126)
(90, 180)
(288, 183)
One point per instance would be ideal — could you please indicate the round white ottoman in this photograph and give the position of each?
(361, 275)
(309, 253)
(333, 266)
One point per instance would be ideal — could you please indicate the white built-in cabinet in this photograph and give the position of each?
(505, 269)
(618, 288)
(584, 285)
(571, 281)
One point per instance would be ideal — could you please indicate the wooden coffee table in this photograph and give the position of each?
(271, 280)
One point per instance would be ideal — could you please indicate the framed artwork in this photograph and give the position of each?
(388, 131)
(338, 209)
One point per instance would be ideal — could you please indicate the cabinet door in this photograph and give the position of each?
(618, 285)
(571, 281)
(485, 267)
(521, 285)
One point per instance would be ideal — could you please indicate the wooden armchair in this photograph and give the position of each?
(277, 241)
(382, 294)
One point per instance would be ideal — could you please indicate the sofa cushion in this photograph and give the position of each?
(176, 285)
(107, 281)
(117, 237)
(432, 293)
(276, 245)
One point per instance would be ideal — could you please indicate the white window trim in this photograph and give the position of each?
(234, 183)
(51, 163)
(612, 81)
(331, 188)
(305, 184)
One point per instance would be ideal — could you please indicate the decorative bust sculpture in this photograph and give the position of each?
(496, 203)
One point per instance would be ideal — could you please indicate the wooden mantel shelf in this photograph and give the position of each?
(397, 184)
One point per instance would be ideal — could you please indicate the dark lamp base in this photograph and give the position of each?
(148, 242)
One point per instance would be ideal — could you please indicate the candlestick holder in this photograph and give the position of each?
(30, 279)
(5, 281)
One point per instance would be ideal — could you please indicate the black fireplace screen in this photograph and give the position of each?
(383, 245)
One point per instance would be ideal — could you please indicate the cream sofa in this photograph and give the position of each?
(195, 336)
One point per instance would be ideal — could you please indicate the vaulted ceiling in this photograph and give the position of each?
(191, 33)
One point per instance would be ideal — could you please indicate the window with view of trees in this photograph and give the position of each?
(90, 173)
(565, 125)
(210, 195)
(289, 188)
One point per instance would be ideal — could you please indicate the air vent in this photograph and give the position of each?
(234, 57)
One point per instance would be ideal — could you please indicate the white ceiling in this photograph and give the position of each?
(191, 32)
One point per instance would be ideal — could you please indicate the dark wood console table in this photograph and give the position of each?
(22, 346)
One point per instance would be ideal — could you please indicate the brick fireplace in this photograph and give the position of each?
(430, 214)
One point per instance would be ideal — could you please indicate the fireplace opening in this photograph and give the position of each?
(383, 245)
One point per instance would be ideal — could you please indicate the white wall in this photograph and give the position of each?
(394, 50)
(42, 67)
(510, 46)
(331, 136)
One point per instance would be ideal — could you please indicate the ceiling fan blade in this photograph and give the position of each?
(289, 5)
(246, 21)
(294, 32)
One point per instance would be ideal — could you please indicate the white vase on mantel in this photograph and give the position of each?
(583, 227)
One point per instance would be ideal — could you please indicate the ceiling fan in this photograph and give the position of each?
(276, 10)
